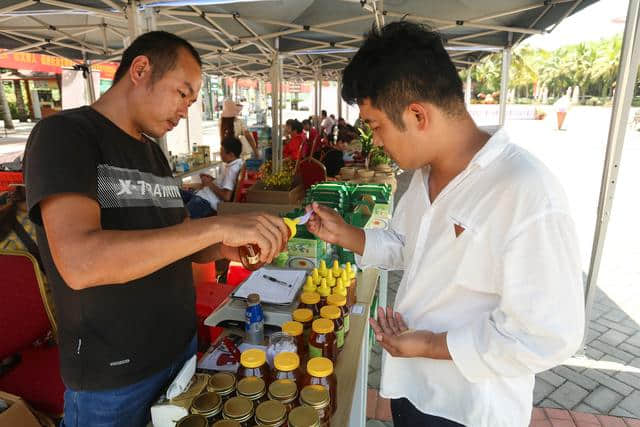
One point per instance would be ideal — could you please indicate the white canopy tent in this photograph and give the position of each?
(313, 40)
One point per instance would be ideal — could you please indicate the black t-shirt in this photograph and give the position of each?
(114, 335)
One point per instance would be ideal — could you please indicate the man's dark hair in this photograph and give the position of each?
(231, 144)
(161, 48)
(306, 122)
(401, 64)
(324, 113)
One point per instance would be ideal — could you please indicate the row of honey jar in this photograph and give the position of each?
(252, 398)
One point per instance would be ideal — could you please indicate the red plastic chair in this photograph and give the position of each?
(311, 171)
(24, 319)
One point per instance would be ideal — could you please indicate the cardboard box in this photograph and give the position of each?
(230, 208)
(18, 414)
(258, 194)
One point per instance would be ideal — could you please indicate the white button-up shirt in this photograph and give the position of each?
(508, 290)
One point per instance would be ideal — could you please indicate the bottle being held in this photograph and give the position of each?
(250, 254)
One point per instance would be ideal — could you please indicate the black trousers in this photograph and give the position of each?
(406, 415)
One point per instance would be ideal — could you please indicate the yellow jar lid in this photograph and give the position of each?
(331, 281)
(322, 326)
(315, 275)
(340, 290)
(310, 298)
(253, 358)
(337, 300)
(309, 286)
(270, 412)
(320, 367)
(304, 416)
(324, 290)
(302, 315)
(283, 389)
(292, 328)
(330, 312)
(286, 361)
(291, 223)
(345, 278)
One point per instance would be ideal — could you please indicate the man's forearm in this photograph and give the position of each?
(113, 256)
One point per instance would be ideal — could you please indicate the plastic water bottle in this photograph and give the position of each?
(254, 323)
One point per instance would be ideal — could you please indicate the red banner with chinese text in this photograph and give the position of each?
(50, 64)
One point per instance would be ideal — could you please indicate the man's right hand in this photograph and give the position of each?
(328, 225)
(267, 231)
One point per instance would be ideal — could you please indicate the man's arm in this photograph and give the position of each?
(88, 256)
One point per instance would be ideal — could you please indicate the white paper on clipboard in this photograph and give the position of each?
(271, 292)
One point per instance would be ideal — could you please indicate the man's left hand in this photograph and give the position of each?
(394, 336)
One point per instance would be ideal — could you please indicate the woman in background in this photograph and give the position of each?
(232, 125)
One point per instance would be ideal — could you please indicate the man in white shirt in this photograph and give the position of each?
(327, 123)
(492, 286)
(205, 201)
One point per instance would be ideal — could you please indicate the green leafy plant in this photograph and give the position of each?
(378, 157)
(366, 138)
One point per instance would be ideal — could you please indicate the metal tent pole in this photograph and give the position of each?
(276, 82)
(627, 72)
(504, 84)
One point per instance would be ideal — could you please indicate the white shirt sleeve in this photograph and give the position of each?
(539, 321)
(383, 249)
(230, 176)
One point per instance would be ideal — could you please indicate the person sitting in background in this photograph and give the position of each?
(334, 157)
(205, 202)
(326, 124)
(292, 149)
(312, 132)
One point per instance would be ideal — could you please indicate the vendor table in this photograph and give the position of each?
(353, 363)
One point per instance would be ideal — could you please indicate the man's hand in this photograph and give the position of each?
(229, 252)
(399, 341)
(267, 231)
(326, 224)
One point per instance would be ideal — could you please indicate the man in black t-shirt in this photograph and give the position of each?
(115, 240)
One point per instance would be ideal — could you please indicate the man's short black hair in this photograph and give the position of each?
(231, 144)
(401, 64)
(324, 113)
(161, 48)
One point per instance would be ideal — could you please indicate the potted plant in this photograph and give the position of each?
(366, 141)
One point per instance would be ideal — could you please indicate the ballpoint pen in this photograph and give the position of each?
(278, 281)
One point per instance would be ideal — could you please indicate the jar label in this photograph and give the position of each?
(340, 337)
(314, 351)
(347, 321)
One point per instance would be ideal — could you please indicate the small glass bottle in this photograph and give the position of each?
(284, 391)
(320, 372)
(352, 288)
(209, 405)
(340, 301)
(253, 388)
(311, 300)
(287, 367)
(324, 291)
(239, 409)
(250, 253)
(335, 314)
(317, 397)
(193, 420)
(222, 383)
(322, 341)
(271, 414)
(296, 329)
(253, 363)
(304, 416)
(254, 320)
(304, 316)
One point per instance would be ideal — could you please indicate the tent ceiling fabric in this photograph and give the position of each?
(238, 38)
